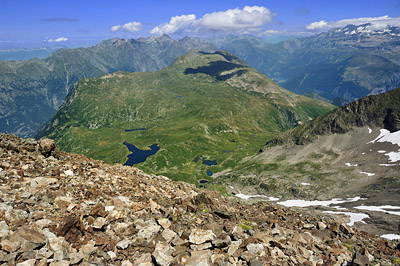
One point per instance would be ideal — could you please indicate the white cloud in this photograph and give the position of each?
(236, 19)
(176, 24)
(270, 32)
(377, 23)
(61, 39)
(128, 27)
(317, 25)
(249, 18)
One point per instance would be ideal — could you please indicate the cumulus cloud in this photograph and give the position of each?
(128, 27)
(377, 23)
(249, 18)
(176, 24)
(61, 39)
(317, 25)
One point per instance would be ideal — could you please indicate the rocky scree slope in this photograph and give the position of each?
(64, 209)
(32, 91)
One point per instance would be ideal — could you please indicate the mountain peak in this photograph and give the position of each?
(200, 58)
(367, 29)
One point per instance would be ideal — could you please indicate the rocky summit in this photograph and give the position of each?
(59, 208)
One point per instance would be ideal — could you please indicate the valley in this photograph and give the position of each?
(220, 115)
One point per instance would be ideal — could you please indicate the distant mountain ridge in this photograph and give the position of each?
(16, 54)
(31, 91)
(342, 65)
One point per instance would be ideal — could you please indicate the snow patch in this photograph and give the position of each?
(391, 236)
(384, 208)
(246, 197)
(394, 138)
(386, 164)
(349, 164)
(354, 217)
(306, 184)
(306, 203)
(381, 151)
(339, 208)
(369, 130)
(363, 153)
(368, 174)
(273, 199)
(394, 156)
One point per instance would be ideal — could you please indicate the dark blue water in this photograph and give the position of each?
(135, 129)
(138, 155)
(210, 162)
(203, 181)
(209, 172)
(180, 97)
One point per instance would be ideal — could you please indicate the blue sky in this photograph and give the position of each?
(27, 23)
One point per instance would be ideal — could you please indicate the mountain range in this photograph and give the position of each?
(32, 91)
(342, 65)
(16, 54)
(204, 112)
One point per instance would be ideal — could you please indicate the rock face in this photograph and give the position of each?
(101, 214)
(381, 110)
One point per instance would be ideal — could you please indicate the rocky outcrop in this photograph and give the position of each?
(64, 209)
(381, 110)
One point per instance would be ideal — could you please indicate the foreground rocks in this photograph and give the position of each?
(65, 209)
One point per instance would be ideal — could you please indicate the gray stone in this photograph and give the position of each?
(60, 263)
(256, 249)
(30, 262)
(147, 231)
(199, 258)
(123, 244)
(162, 254)
(168, 235)
(99, 223)
(126, 263)
(165, 223)
(201, 246)
(4, 230)
(199, 236)
(321, 225)
(233, 247)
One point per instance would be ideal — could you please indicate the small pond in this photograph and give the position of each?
(138, 155)
(135, 129)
